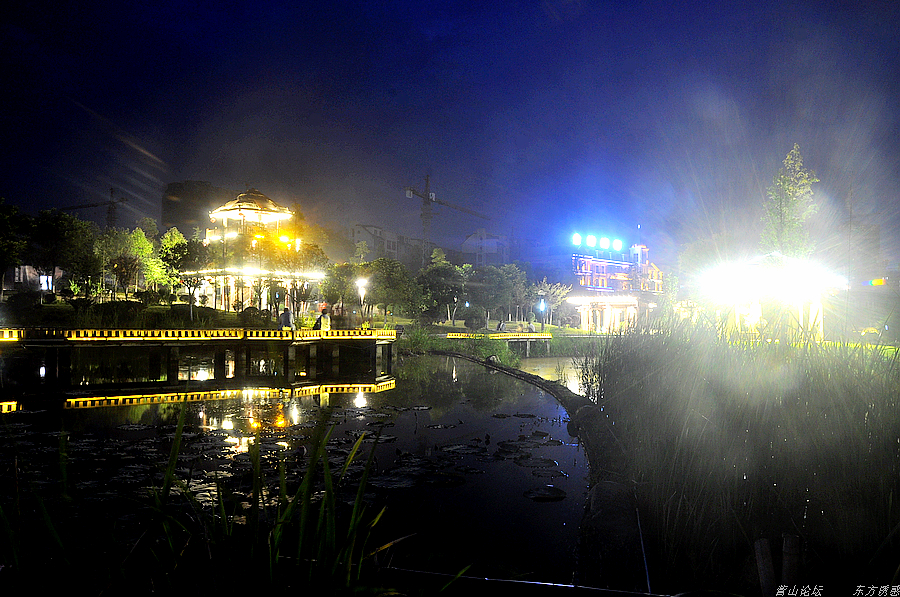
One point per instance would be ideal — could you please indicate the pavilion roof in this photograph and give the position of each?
(253, 206)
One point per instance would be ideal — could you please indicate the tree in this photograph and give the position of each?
(443, 285)
(483, 290)
(13, 239)
(789, 203)
(186, 258)
(513, 287)
(389, 284)
(339, 282)
(553, 294)
(58, 240)
(362, 249)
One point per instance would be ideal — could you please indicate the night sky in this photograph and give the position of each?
(549, 116)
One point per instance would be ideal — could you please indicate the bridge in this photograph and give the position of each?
(508, 337)
(41, 359)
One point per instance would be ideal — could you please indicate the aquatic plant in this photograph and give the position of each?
(727, 442)
(305, 537)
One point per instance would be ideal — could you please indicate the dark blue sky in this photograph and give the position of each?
(550, 116)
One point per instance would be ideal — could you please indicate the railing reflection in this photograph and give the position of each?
(380, 385)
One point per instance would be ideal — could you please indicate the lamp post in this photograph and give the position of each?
(541, 307)
(225, 237)
(361, 286)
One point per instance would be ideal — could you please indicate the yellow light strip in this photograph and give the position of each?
(505, 335)
(10, 406)
(91, 335)
(248, 393)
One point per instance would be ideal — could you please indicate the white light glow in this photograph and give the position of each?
(576, 239)
(778, 278)
(604, 243)
(591, 241)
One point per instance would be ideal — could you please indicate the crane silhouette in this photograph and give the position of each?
(111, 212)
(428, 198)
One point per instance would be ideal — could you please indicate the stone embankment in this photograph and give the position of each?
(611, 553)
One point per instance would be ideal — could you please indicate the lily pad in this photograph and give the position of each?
(547, 493)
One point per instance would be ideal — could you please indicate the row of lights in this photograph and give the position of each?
(603, 243)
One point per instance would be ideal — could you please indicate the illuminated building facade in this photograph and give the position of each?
(617, 286)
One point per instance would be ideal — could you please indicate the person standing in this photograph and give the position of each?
(324, 321)
(286, 320)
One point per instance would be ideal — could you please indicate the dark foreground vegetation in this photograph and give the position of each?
(728, 443)
(308, 533)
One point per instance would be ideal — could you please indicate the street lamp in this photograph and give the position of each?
(541, 307)
(361, 285)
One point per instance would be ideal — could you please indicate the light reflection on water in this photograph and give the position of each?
(553, 369)
(461, 446)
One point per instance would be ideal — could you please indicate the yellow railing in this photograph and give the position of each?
(305, 334)
(101, 335)
(504, 335)
(10, 335)
(10, 406)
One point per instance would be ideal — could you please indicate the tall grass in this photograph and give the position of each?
(729, 442)
(305, 537)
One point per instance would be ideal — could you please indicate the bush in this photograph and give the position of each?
(250, 317)
(475, 320)
(23, 301)
(147, 297)
(118, 314)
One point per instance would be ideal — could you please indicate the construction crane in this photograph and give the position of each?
(111, 213)
(428, 199)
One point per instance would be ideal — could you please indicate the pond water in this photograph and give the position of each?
(475, 466)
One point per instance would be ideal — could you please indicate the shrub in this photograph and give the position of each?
(25, 298)
(475, 320)
(250, 317)
(147, 297)
(118, 314)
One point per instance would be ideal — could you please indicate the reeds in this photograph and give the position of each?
(304, 537)
(731, 441)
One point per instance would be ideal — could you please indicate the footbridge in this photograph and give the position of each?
(64, 359)
(509, 337)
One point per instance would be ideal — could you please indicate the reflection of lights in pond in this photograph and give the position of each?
(360, 400)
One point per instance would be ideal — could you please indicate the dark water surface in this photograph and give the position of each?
(476, 466)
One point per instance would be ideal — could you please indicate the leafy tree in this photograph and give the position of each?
(340, 282)
(125, 268)
(513, 286)
(172, 251)
(443, 285)
(389, 284)
(58, 240)
(151, 266)
(439, 257)
(187, 258)
(13, 239)
(362, 249)
(484, 291)
(554, 295)
(789, 203)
